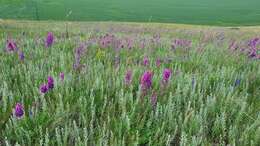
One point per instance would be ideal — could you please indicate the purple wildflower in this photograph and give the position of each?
(254, 42)
(252, 53)
(44, 88)
(62, 76)
(78, 52)
(146, 80)
(182, 43)
(19, 110)
(128, 77)
(166, 75)
(106, 41)
(11, 46)
(253, 50)
(49, 40)
(237, 82)
(50, 82)
(154, 100)
(145, 61)
(21, 56)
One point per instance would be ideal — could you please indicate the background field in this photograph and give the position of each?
(212, 12)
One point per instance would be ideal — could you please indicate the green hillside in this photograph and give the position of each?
(212, 12)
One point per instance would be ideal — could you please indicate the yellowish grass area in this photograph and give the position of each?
(147, 27)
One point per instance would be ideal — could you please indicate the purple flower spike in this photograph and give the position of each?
(62, 76)
(237, 82)
(166, 75)
(11, 46)
(181, 43)
(43, 88)
(254, 42)
(19, 110)
(21, 56)
(49, 40)
(146, 61)
(78, 52)
(50, 82)
(146, 80)
(128, 77)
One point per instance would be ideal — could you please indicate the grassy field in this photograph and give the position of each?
(212, 12)
(204, 89)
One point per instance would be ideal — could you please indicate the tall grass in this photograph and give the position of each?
(212, 97)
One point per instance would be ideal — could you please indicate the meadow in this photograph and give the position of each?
(90, 83)
(210, 12)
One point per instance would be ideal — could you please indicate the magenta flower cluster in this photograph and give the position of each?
(111, 41)
(254, 48)
(44, 88)
(50, 82)
(166, 75)
(146, 80)
(11, 46)
(251, 48)
(19, 110)
(49, 40)
(181, 43)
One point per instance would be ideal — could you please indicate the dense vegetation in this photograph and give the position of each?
(128, 84)
(213, 12)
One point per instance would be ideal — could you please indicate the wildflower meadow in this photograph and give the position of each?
(120, 84)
